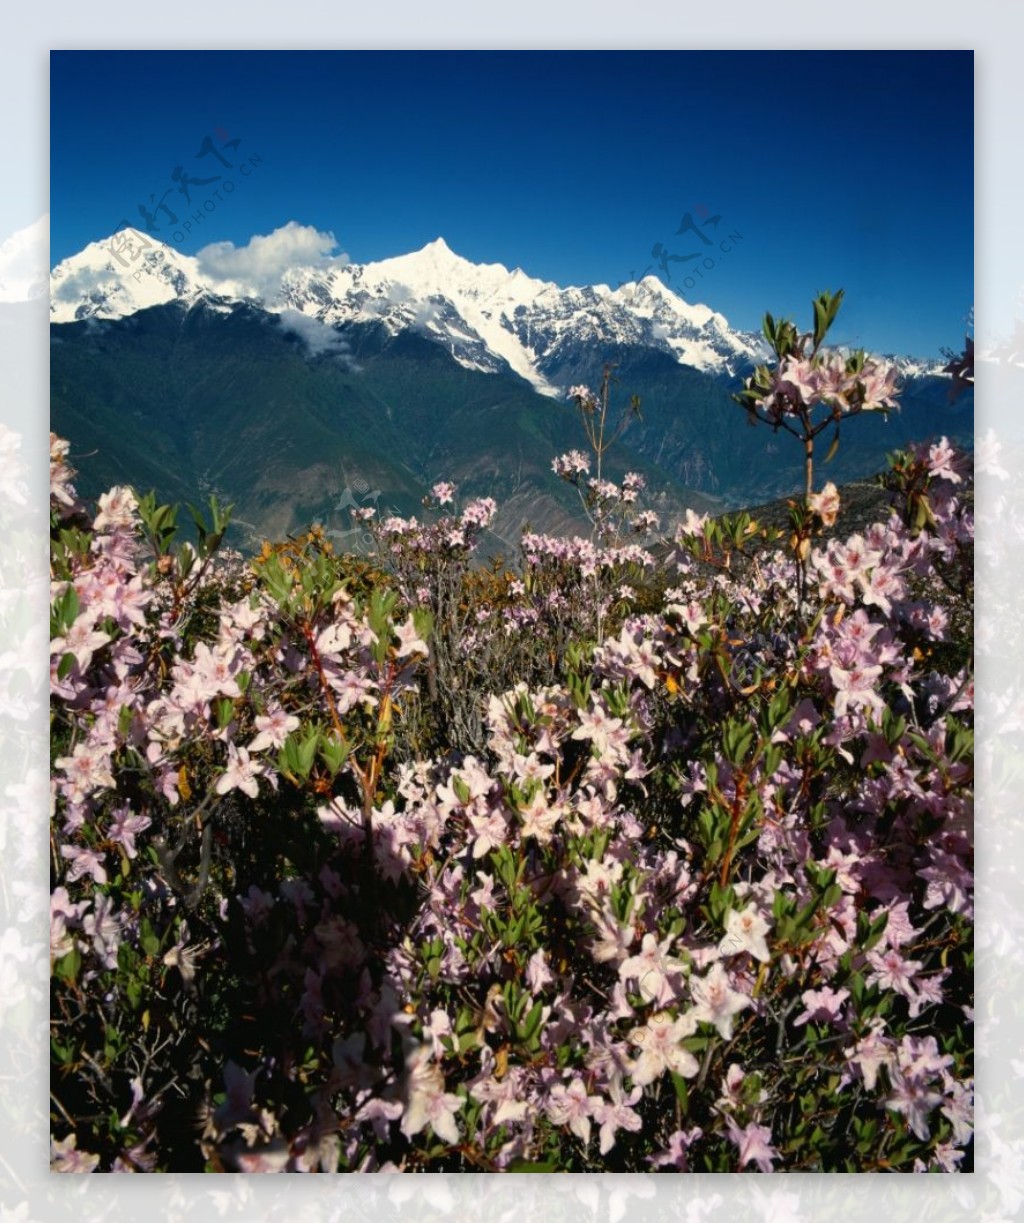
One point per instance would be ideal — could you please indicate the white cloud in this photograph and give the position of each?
(257, 269)
(83, 283)
(422, 312)
(427, 312)
(23, 260)
(318, 337)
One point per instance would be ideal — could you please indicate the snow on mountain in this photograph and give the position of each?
(914, 367)
(487, 317)
(120, 276)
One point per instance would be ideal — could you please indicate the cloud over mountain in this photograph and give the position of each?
(319, 338)
(257, 269)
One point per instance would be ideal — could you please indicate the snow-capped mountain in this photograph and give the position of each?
(276, 373)
(487, 317)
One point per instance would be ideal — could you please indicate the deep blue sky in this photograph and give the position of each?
(838, 169)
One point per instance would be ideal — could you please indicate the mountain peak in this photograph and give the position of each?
(487, 316)
(438, 254)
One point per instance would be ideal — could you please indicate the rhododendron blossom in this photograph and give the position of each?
(432, 863)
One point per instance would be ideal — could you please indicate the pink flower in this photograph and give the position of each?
(439, 1024)
(889, 970)
(692, 525)
(913, 1100)
(380, 1113)
(103, 925)
(732, 1084)
(616, 1114)
(717, 1002)
(124, 826)
(84, 862)
(428, 1102)
(82, 640)
(61, 488)
(676, 1154)
(490, 829)
(538, 819)
(825, 504)
(479, 513)
(754, 1142)
(855, 688)
(65, 1157)
(745, 931)
(240, 774)
(659, 1048)
(879, 383)
(871, 1053)
(822, 1005)
(573, 1107)
(62, 911)
(570, 465)
(597, 726)
(538, 974)
(409, 640)
(117, 508)
(657, 975)
(274, 728)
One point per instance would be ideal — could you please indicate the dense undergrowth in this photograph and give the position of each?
(579, 863)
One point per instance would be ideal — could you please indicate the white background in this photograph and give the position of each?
(996, 1191)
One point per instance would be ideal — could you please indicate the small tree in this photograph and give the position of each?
(808, 389)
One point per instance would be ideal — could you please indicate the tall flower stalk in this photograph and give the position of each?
(809, 390)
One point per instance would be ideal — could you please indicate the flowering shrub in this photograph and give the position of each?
(810, 389)
(429, 870)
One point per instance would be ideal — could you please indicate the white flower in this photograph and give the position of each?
(274, 728)
(745, 931)
(717, 1002)
(429, 1103)
(652, 968)
(659, 1048)
(240, 774)
(409, 640)
(573, 1107)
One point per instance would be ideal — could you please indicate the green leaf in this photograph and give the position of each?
(820, 321)
(423, 622)
(148, 940)
(299, 751)
(276, 579)
(531, 1023)
(333, 752)
(68, 966)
